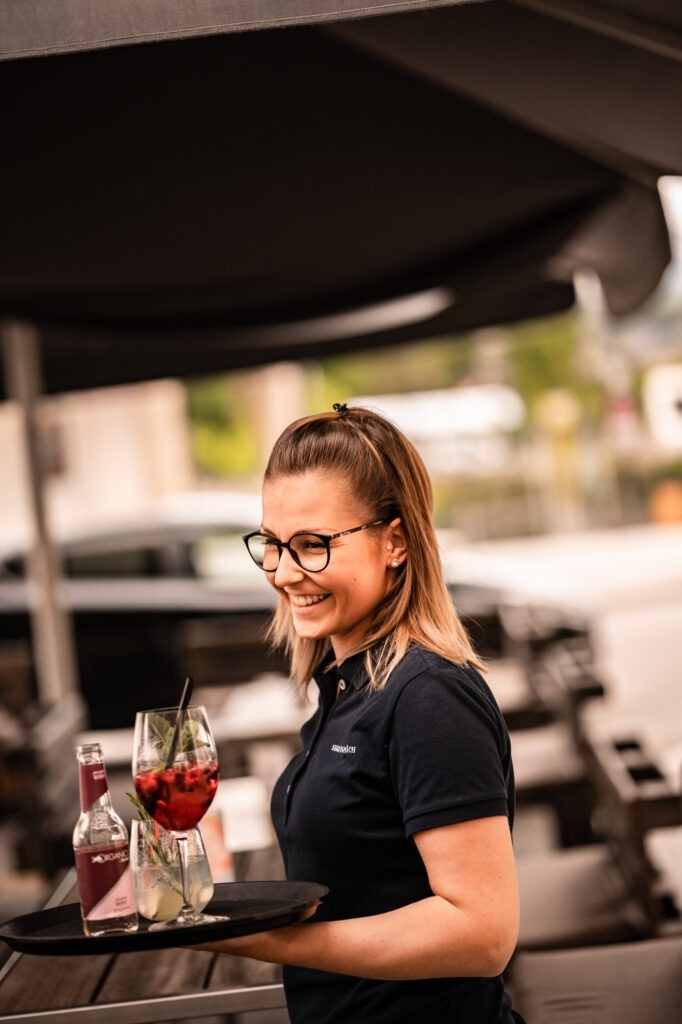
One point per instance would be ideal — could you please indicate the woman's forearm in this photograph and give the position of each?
(428, 939)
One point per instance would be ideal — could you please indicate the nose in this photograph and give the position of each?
(288, 571)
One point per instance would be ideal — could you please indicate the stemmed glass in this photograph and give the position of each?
(175, 770)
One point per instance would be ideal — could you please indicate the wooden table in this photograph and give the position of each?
(142, 987)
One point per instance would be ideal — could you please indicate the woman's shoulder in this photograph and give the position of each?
(421, 661)
(423, 672)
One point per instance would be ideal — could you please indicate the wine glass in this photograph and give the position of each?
(175, 770)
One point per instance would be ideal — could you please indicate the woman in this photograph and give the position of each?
(401, 800)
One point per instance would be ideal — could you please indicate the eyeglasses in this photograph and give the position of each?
(309, 550)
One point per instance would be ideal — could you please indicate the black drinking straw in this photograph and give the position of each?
(184, 701)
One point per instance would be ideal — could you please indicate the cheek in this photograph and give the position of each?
(367, 586)
(361, 583)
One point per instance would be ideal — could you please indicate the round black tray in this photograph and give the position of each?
(251, 906)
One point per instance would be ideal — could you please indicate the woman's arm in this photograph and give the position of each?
(468, 928)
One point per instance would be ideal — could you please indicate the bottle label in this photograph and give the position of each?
(93, 784)
(105, 881)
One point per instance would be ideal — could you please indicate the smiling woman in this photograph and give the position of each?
(401, 800)
(367, 471)
(336, 601)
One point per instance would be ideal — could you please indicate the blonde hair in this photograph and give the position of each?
(388, 478)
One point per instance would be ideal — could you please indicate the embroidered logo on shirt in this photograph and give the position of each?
(342, 750)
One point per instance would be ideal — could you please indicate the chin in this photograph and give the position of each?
(307, 630)
(311, 634)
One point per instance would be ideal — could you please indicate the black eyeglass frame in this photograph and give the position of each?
(326, 539)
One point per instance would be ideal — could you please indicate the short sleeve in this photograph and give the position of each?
(446, 750)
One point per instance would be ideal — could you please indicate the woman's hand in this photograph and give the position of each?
(256, 945)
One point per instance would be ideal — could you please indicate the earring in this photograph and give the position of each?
(395, 563)
(389, 547)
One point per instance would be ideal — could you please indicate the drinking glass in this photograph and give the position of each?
(155, 863)
(175, 771)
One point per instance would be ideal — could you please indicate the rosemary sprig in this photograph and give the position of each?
(161, 856)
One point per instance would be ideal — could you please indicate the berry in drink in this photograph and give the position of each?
(178, 797)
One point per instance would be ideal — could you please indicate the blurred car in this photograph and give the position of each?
(134, 587)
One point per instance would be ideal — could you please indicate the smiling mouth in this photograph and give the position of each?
(305, 600)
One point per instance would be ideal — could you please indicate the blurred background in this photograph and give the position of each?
(555, 449)
(553, 444)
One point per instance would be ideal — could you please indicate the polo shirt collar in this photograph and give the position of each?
(352, 670)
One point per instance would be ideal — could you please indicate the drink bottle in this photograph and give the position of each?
(100, 844)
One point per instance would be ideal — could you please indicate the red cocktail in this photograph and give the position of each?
(178, 797)
(175, 771)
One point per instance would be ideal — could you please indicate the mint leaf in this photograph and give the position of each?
(164, 731)
(189, 737)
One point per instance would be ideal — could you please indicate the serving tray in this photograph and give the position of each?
(251, 907)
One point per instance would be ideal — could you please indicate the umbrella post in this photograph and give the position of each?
(52, 637)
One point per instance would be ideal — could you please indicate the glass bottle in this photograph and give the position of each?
(100, 844)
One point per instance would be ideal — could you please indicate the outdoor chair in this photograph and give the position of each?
(549, 765)
(603, 892)
(41, 783)
(629, 983)
(639, 662)
(550, 771)
(576, 897)
(521, 706)
(520, 643)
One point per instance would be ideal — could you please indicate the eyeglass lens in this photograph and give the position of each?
(309, 550)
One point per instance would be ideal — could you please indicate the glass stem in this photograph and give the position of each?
(181, 838)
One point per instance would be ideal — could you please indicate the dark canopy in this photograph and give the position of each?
(250, 185)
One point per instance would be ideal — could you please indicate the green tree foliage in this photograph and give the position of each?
(541, 354)
(544, 354)
(421, 365)
(223, 439)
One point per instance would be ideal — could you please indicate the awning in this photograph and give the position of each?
(258, 183)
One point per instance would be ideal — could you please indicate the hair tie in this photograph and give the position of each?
(341, 408)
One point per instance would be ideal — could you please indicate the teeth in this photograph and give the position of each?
(301, 600)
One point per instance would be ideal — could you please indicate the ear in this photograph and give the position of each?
(395, 545)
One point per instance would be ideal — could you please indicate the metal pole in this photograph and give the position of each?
(52, 637)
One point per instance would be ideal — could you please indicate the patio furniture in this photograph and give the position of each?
(39, 784)
(630, 983)
(664, 852)
(603, 892)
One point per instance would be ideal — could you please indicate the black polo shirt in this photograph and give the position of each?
(431, 748)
